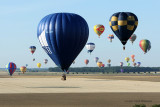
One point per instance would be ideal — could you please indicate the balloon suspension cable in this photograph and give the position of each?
(65, 72)
(123, 47)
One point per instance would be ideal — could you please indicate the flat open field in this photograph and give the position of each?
(79, 90)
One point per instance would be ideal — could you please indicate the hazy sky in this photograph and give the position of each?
(19, 20)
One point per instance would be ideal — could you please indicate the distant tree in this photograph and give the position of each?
(156, 105)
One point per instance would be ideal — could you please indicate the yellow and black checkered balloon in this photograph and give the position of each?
(123, 24)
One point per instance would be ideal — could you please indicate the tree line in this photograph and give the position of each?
(108, 69)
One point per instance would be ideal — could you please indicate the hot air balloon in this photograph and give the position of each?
(127, 59)
(99, 64)
(86, 61)
(110, 37)
(38, 65)
(90, 47)
(134, 64)
(23, 69)
(133, 60)
(96, 59)
(145, 45)
(121, 64)
(103, 65)
(63, 36)
(138, 64)
(128, 64)
(133, 38)
(11, 67)
(99, 29)
(109, 61)
(26, 65)
(123, 24)
(32, 49)
(132, 56)
(45, 61)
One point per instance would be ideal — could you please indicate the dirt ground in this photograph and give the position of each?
(79, 91)
(79, 99)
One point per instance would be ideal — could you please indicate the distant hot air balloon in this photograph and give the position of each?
(96, 59)
(86, 61)
(133, 60)
(99, 29)
(138, 64)
(134, 64)
(145, 45)
(63, 36)
(90, 47)
(45, 61)
(121, 64)
(32, 49)
(110, 37)
(127, 59)
(103, 65)
(132, 56)
(109, 61)
(38, 65)
(23, 69)
(123, 24)
(26, 65)
(11, 67)
(99, 64)
(133, 38)
(128, 64)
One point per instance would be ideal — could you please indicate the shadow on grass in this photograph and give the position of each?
(53, 87)
(100, 80)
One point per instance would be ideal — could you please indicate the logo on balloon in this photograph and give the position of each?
(43, 41)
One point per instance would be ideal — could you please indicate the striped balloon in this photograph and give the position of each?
(145, 45)
(90, 47)
(11, 67)
(123, 24)
(32, 49)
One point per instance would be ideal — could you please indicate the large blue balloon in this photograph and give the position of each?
(63, 36)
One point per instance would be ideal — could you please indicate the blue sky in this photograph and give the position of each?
(19, 20)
